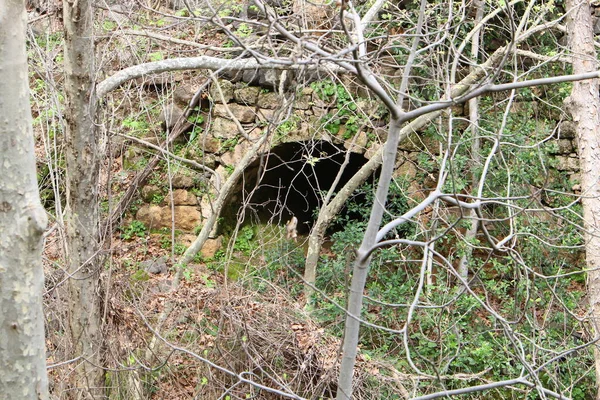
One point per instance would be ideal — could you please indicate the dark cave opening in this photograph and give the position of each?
(292, 179)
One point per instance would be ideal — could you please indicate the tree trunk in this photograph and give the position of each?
(22, 222)
(82, 225)
(208, 226)
(327, 213)
(362, 264)
(471, 233)
(584, 106)
(337, 203)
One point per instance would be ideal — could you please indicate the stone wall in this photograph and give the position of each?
(238, 114)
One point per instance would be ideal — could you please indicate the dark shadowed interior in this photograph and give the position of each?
(292, 180)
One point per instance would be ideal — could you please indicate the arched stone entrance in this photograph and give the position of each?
(292, 179)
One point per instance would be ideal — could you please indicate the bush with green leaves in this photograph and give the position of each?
(133, 230)
(346, 116)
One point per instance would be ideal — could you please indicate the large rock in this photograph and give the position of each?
(186, 239)
(209, 144)
(211, 246)
(170, 115)
(567, 163)
(243, 114)
(246, 95)
(316, 15)
(321, 103)
(419, 143)
(182, 197)
(358, 144)
(151, 215)
(157, 266)
(149, 192)
(270, 100)
(567, 130)
(406, 170)
(181, 181)
(304, 99)
(372, 150)
(235, 156)
(206, 159)
(184, 94)
(226, 88)
(132, 159)
(255, 134)
(564, 146)
(272, 78)
(187, 218)
(224, 128)
(368, 107)
(206, 204)
(265, 115)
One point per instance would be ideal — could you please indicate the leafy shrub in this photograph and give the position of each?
(135, 229)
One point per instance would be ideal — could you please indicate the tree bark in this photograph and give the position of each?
(327, 213)
(584, 106)
(362, 264)
(471, 233)
(217, 206)
(22, 222)
(82, 224)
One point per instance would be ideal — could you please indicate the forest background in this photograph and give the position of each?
(441, 158)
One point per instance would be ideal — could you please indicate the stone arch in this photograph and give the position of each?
(289, 180)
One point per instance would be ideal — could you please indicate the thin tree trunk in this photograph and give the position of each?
(584, 106)
(330, 209)
(22, 222)
(82, 225)
(471, 234)
(224, 193)
(362, 263)
(208, 226)
(327, 213)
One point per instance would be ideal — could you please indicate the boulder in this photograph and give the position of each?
(209, 144)
(265, 115)
(243, 114)
(186, 239)
(132, 158)
(269, 100)
(170, 115)
(187, 218)
(567, 163)
(181, 181)
(226, 88)
(271, 78)
(157, 266)
(224, 128)
(182, 197)
(235, 156)
(246, 95)
(565, 146)
(304, 99)
(211, 246)
(150, 215)
(195, 154)
(184, 94)
(406, 170)
(567, 130)
(358, 145)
